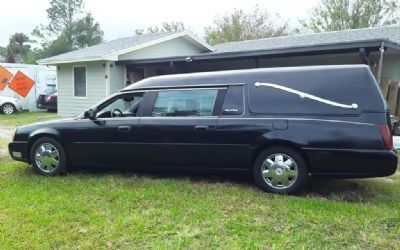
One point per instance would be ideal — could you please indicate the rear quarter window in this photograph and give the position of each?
(347, 87)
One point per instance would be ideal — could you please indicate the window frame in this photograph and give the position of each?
(150, 101)
(73, 82)
(119, 95)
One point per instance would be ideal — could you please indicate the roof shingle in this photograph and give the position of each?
(391, 33)
(113, 46)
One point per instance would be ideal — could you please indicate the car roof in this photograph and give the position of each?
(225, 78)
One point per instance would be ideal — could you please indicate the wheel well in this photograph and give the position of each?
(280, 143)
(37, 137)
(9, 103)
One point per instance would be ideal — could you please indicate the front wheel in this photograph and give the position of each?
(8, 108)
(280, 170)
(48, 156)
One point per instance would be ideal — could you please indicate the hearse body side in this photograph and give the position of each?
(333, 118)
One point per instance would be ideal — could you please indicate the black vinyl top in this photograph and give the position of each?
(345, 84)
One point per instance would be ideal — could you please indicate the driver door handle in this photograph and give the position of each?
(124, 128)
(201, 128)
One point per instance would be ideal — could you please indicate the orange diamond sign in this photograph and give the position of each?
(21, 84)
(5, 77)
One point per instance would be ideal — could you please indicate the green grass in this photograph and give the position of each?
(22, 118)
(123, 209)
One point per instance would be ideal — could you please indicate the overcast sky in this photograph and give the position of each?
(119, 18)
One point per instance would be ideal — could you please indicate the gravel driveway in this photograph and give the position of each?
(6, 132)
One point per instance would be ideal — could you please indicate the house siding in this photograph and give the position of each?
(117, 78)
(175, 47)
(68, 105)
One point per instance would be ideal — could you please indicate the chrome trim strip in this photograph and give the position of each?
(170, 87)
(252, 118)
(179, 117)
(306, 95)
(296, 119)
(187, 89)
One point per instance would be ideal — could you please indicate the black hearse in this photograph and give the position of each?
(282, 124)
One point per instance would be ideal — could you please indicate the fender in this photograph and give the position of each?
(51, 132)
(282, 136)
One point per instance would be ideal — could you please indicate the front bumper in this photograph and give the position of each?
(18, 106)
(19, 151)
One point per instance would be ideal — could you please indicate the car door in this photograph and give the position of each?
(177, 128)
(111, 138)
(236, 132)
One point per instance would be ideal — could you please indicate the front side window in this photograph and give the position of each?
(185, 103)
(80, 81)
(126, 105)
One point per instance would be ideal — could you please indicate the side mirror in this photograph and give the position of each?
(90, 114)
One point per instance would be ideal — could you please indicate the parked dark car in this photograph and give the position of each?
(282, 124)
(51, 102)
(48, 100)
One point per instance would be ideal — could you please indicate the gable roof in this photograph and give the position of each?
(390, 33)
(112, 49)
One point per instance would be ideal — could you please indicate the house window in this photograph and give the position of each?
(185, 103)
(80, 81)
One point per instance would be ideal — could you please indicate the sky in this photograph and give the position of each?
(120, 18)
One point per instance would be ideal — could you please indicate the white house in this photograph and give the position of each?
(88, 75)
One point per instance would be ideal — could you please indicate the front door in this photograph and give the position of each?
(178, 127)
(111, 138)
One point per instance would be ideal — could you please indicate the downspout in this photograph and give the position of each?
(107, 77)
(382, 50)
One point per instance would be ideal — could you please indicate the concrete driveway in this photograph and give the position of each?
(396, 142)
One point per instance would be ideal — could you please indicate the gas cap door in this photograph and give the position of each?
(280, 124)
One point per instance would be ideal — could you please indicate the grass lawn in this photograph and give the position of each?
(22, 118)
(111, 209)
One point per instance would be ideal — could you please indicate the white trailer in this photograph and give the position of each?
(43, 77)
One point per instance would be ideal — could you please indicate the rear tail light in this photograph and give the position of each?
(386, 136)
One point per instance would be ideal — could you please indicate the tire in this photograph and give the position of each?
(8, 108)
(280, 170)
(48, 157)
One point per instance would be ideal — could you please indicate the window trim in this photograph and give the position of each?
(73, 82)
(151, 100)
(139, 114)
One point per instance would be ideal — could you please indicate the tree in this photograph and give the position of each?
(331, 15)
(69, 28)
(2, 53)
(63, 15)
(17, 48)
(165, 27)
(239, 25)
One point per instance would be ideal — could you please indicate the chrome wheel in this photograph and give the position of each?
(8, 109)
(47, 157)
(279, 171)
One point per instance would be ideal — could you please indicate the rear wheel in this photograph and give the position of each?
(48, 156)
(280, 170)
(8, 108)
